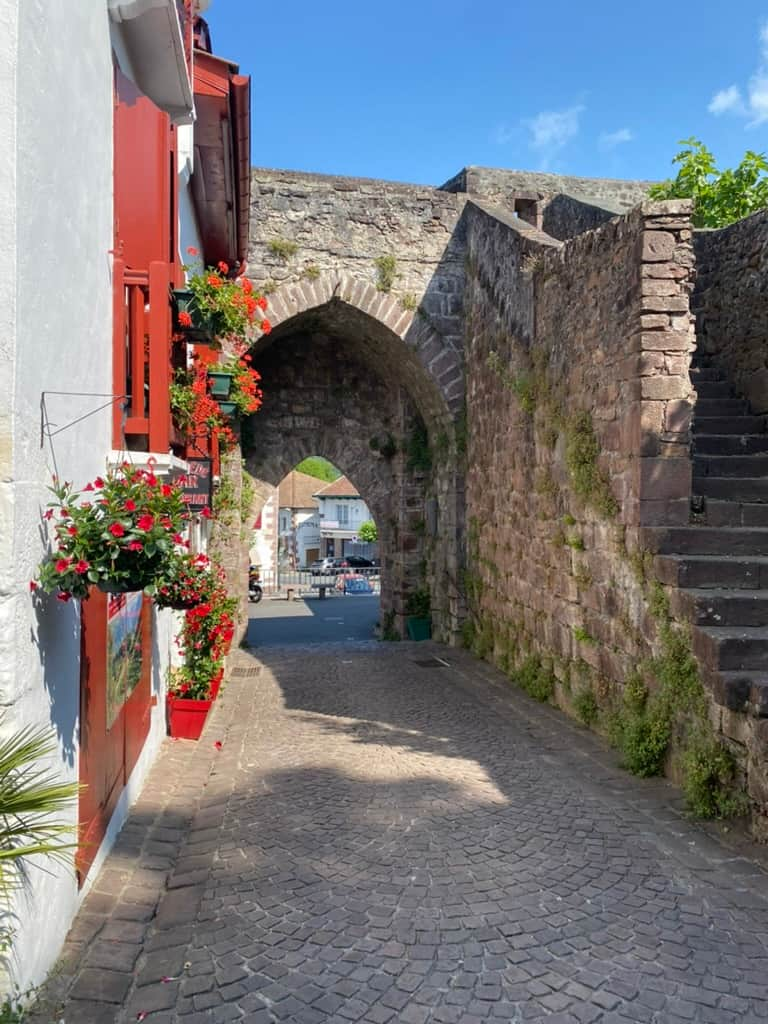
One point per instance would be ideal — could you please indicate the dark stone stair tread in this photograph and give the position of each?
(706, 540)
(734, 689)
(729, 444)
(729, 425)
(709, 407)
(717, 606)
(750, 465)
(733, 488)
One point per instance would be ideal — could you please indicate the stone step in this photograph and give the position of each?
(730, 444)
(705, 540)
(729, 425)
(730, 465)
(706, 407)
(722, 607)
(739, 691)
(745, 488)
(708, 571)
(732, 513)
(712, 388)
(706, 373)
(732, 648)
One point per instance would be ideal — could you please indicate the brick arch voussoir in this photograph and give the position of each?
(440, 362)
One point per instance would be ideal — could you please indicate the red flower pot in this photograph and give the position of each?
(216, 683)
(186, 718)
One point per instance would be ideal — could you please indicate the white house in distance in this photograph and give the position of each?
(299, 522)
(342, 511)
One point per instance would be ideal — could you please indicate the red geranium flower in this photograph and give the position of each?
(266, 326)
(145, 522)
(63, 595)
(63, 564)
(223, 267)
(261, 302)
(185, 319)
(130, 505)
(117, 530)
(192, 250)
(82, 567)
(98, 482)
(33, 586)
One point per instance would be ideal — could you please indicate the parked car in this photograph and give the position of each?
(329, 564)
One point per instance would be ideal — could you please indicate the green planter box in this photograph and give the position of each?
(418, 628)
(221, 384)
(204, 328)
(228, 408)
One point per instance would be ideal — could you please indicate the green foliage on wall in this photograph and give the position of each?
(418, 454)
(386, 272)
(588, 481)
(719, 197)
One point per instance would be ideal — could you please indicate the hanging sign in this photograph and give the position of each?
(197, 485)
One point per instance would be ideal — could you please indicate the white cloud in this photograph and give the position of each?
(552, 129)
(610, 140)
(727, 100)
(504, 134)
(755, 105)
(758, 97)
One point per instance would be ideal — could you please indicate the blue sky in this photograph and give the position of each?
(413, 91)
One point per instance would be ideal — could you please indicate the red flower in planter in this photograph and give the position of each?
(130, 505)
(117, 530)
(185, 319)
(82, 567)
(63, 564)
(145, 522)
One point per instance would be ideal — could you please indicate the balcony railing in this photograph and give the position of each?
(141, 357)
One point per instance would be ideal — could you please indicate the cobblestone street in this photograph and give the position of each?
(381, 837)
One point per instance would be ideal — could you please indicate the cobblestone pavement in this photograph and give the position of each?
(385, 838)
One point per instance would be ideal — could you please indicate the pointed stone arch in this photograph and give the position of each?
(348, 373)
(439, 358)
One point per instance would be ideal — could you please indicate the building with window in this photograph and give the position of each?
(102, 163)
(342, 511)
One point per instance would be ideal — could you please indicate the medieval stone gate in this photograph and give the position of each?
(503, 368)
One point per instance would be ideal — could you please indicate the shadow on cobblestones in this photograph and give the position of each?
(381, 842)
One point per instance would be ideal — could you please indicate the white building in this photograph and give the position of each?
(96, 210)
(342, 512)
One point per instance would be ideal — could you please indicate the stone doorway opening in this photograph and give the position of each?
(340, 382)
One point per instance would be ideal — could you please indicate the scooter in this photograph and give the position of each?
(255, 593)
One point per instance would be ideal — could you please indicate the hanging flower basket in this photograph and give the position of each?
(220, 384)
(229, 307)
(117, 533)
(196, 325)
(121, 586)
(228, 409)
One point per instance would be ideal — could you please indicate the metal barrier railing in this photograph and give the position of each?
(310, 582)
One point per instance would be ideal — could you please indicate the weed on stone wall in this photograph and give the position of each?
(536, 677)
(282, 248)
(586, 707)
(386, 272)
(588, 481)
(388, 631)
(409, 302)
(418, 454)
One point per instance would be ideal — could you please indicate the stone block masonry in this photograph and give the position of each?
(731, 303)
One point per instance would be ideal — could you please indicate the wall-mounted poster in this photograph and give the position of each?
(123, 649)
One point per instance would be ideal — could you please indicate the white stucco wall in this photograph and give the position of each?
(61, 200)
(56, 233)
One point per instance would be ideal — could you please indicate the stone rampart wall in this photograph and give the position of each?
(565, 217)
(578, 412)
(731, 303)
(497, 185)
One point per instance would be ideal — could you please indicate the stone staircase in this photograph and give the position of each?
(719, 563)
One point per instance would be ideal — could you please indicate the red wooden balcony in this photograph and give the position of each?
(142, 357)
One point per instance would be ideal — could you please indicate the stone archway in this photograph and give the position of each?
(347, 376)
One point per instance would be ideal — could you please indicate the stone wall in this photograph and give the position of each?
(731, 303)
(500, 186)
(578, 403)
(308, 229)
(564, 217)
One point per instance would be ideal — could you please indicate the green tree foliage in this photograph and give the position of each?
(720, 197)
(318, 467)
(367, 532)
